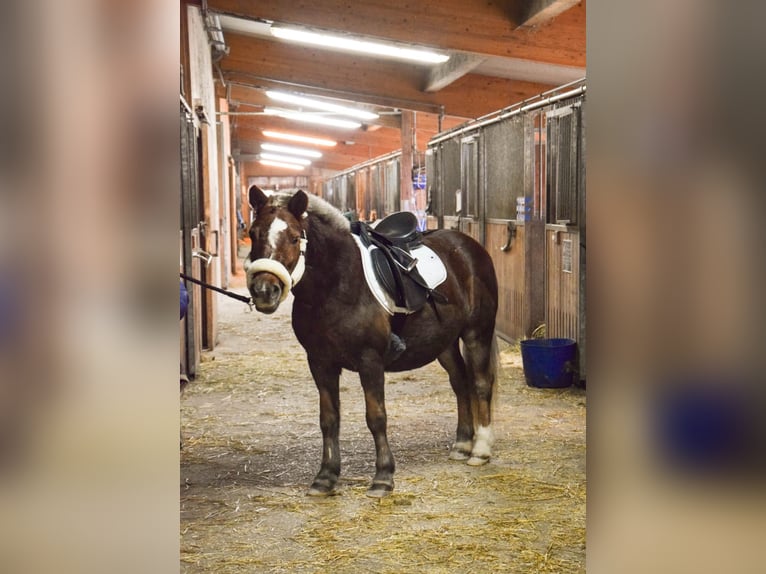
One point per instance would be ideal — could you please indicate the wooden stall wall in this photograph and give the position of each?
(509, 266)
(562, 306)
(203, 102)
(510, 182)
(505, 177)
(190, 217)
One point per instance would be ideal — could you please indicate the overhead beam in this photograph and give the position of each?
(353, 147)
(444, 74)
(536, 12)
(463, 25)
(384, 142)
(469, 97)
(255, 95)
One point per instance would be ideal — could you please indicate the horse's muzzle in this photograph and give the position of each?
(266, 291)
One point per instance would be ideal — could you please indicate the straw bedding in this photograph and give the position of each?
(252, 445)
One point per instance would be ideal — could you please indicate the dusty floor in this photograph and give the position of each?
(252, 445)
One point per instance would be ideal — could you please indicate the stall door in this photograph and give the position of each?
(565, 237)
(190, 239)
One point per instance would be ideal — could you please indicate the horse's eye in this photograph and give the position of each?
(295, 240)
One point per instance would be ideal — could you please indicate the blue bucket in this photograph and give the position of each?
(550, 363)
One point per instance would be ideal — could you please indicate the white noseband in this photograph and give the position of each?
(280, 271)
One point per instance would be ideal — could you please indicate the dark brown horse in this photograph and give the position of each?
(301, 242)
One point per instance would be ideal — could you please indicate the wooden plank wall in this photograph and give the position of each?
(562, 287)
(509, 268)
(471, 227)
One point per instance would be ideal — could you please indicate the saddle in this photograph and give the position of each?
(393, 246)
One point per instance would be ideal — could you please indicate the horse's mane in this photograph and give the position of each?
(317, 207)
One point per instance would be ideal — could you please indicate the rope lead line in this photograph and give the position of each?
(237, 296)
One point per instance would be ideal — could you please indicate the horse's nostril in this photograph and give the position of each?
(268, 290)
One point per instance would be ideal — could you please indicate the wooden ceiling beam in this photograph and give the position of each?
(384, 138)
(444, 74)
(349, 154)
(470, 97)
(498, 28)
(537, 12)
(255, 97)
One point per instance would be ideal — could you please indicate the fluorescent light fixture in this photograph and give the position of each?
(285, 158)
(299, 138)
(294, 166)
(321, 105)
(360, 46)
(301, 151)
(312, 118)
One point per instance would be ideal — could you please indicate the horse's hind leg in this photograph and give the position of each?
(453, 363)
(481, 358)
(326, 378)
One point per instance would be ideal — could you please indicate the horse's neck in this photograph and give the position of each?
(329, 255)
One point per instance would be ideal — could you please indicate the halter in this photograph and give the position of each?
(289, 280)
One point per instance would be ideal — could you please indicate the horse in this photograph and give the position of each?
(302, 243)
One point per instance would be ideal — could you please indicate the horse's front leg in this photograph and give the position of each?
(373, 380)
(326, 378)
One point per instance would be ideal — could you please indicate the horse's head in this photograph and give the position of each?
(276, 260)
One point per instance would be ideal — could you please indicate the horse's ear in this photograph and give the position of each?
(298, 204)
(256, 197)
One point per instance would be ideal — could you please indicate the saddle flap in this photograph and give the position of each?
(383, 270)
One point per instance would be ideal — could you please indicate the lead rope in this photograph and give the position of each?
(237, 296)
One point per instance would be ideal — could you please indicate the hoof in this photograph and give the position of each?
(477, 460)
(320, 492)
(379, 490)
(320, 489)
(459, 455)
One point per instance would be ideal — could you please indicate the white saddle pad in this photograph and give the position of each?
(429, 266)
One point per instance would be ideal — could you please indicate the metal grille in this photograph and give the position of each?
(449, 168)
(504, 165)
(469, 160)
(433, 202)
(391, 185)
(563, 137)
(329, 191)
(376, 190)
(350, 192)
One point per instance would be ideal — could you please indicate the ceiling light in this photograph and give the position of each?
(291, 150)
(320, 105)
(285, 158)
(299, 138)
(280, 164)
(361, 46)
(312, 118)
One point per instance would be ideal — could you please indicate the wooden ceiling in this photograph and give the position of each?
(502, 52)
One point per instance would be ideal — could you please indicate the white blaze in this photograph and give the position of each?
(277, 227)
